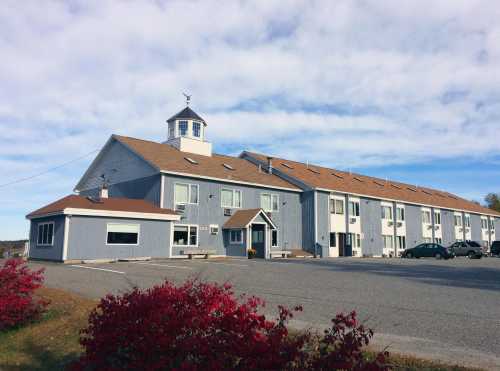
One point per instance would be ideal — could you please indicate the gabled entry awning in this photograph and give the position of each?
(244, 218)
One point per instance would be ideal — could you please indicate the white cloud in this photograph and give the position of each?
(422, 74)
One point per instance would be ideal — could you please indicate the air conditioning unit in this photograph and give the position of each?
(228, 212)
(390, 223)
(437, 227)
(461, 229)
(400, 224)
(269, 214)
(214, 229)
(180, 208)
(467, 230)
(429, 227)
(352, 220)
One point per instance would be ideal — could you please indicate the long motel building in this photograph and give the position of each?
(173, 198)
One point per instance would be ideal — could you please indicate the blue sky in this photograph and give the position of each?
(409, 93)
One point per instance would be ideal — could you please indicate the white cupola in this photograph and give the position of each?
(186, 132)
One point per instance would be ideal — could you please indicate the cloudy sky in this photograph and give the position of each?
(407, 90)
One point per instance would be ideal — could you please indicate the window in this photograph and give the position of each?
(185, 235)
(401, 242)
(123, 234)
(171, 130)
(337, 206)
(467, 220)
(185, 193)
(214, 229)
(358, 240)
(492, 225)
(236, 236)
(274, 238)
(183, 128)
(230, 198)
(387, 212)
(400, 214)
(333, 239)
(438, 240)
(458, 220)
(437, 217)
(387, 241)
(484, 223)
(269, 202)
(45, 236)
(426, 217)
(353, 208)
(196, 129)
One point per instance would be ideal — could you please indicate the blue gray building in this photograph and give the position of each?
(224, 205)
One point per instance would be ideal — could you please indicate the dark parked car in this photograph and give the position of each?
(495, 248)
(428, 250)
(468, 248)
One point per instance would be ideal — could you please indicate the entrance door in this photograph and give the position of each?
(342, 243)
(259, 240)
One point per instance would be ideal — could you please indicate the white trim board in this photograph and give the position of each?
(405, 202)
(229, 181)
(110, 214)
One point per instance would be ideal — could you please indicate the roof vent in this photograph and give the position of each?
(313, 171)
(190, 160)
(378, 183)
(227, 166)
(427, 192)
(396, 186)
(338, 175)
(411, 189)
(358, 179)
(286, 165)
(95, 200)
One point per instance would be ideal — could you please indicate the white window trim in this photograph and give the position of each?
(277, 238)
(189, 230)
(436, 212)
(383, 207)
(234, 191)
(53, 234)
(423, 212)
(123, 244)
(271, 195)
(189, 185)
(235, 242)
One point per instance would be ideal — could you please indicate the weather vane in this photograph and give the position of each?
(188, 98)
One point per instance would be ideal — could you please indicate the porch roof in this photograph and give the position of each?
(243, 218)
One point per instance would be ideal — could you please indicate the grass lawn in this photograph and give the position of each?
(52, 342)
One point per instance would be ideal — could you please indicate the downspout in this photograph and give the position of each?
(395, 221)
(433, 225)
(315, 224)
(463, 227)
(489, 232)
(347, 221)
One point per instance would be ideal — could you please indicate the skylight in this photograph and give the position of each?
(378, 183)
(189, 159)
(313, 171)
(411, 189)
(427, 192)
(227, 166)
(338, 175)
(396, 186)
(286, 165)
(358, 179)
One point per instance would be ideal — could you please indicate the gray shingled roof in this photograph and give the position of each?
(186, 113)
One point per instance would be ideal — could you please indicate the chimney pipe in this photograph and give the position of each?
(270, 164)
(104, 192)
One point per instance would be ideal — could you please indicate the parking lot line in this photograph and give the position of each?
(165, 265)
(99, 269)
(220, 263)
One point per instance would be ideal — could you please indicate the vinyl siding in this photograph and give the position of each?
(87, 239)
(413, 225)
(209, 211)
(371, 227)
(448, 226)
(47, 252)
(475, 224)
(148, 188)
(118, 164)
(323, 220)
(308, 221)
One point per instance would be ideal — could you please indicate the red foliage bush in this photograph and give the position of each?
(18, 304)
(202, 326)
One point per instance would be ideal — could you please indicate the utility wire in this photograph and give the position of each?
(48, 170)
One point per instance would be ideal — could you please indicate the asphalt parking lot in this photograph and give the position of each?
(449, 310)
